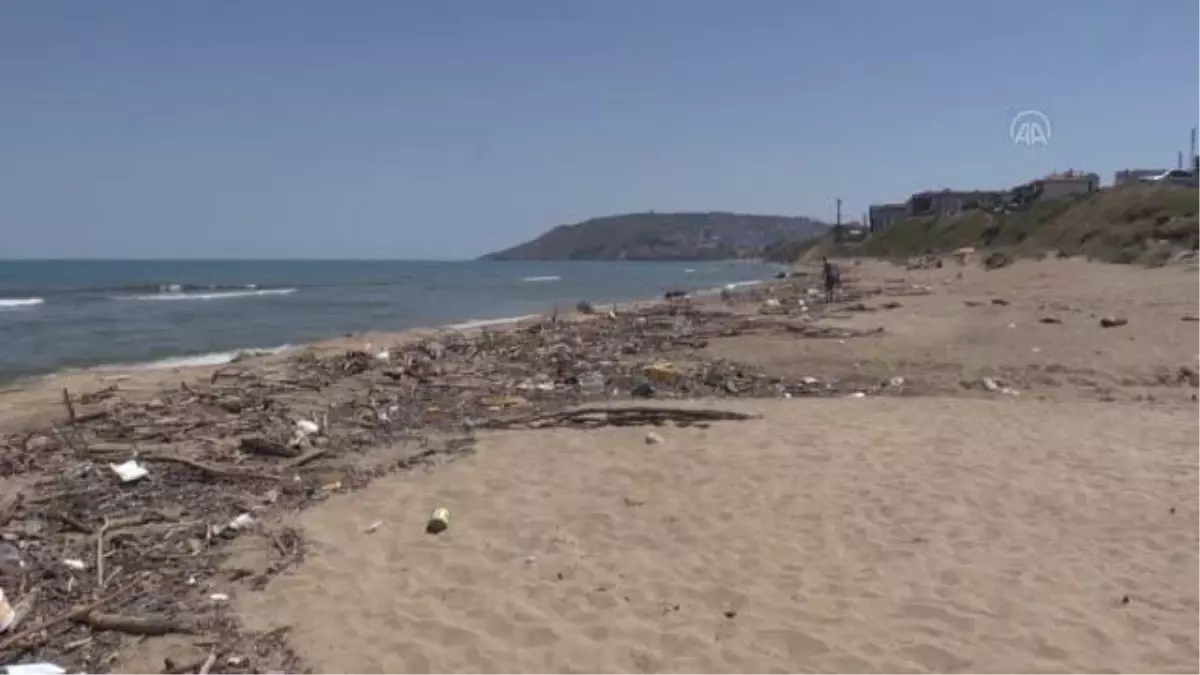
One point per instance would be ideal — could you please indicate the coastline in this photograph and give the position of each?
(855, 411)
(30, 401)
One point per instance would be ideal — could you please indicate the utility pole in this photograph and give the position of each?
(838, 235)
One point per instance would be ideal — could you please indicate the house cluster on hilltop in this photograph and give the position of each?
(1054, 186)
(950, 202)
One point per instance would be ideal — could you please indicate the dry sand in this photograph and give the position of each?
(954, 530)
(833, 535)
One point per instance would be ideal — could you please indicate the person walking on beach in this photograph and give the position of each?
(833, 279)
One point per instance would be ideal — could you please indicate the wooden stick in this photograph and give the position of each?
(67, 403)
(68, 615)
(153, 624)
(110, 526)
(208, 662)
(207, 469)
(306, 458)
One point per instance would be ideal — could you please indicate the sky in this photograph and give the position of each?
(443, 130)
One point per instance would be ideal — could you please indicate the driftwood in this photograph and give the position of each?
(70, 615)
(153, 624)
(212, 471)
(423, 390)
(617, 416)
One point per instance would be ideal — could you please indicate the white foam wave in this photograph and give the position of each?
(541, 279)
(211, 359)
(16, 303)
(483, 323)
(219, 295)
(729, 287)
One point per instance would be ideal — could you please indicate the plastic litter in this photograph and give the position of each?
(43, 668)
(77, 565)
(439, 521)
(307, 427)
(129, 471)
(7, 614)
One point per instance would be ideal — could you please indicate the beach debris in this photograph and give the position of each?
(1050, 320)
(129, 471)
(653, 439)
(663, 371)
(1000, 301)
(1190, 317)
(642, 390)
(857, 394)
(891, 304)
(1113, 321)
(1188, 375)
(370, 529)
(990, 384)
(7, 614)
(40, 668)
(75, 564)
(157, 540)
(896, 381)
(585, 307)
(996, 260)
(675, 294)
(439, 521)
(385, 355)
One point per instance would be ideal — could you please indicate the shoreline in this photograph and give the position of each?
(143, 380)
(177, 362)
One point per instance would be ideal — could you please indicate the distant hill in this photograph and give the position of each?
(664, 236)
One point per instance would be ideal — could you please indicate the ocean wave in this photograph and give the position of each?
(217, 295)
(210, 359)
(541, 279)
(483, 323)
(19, 303)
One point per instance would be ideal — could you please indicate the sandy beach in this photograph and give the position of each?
(1016, 491)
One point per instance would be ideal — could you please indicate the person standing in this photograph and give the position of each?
(833, 279)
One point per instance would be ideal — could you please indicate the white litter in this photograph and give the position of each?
(990, 384)
(384, 355)
(129, 471)
(373, 526)
(77, 565)
(218, 597)
(810, 380)
(241, 522)
(307, 427)
(896, 381)
(34, 669)
(858, 394)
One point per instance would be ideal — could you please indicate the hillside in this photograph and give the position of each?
(1127, 224)
(664, 236)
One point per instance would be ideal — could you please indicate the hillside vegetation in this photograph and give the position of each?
(664, 236)
(1127, 224)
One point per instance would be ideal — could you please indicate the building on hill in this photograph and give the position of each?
(950, 202)
(1056, 186)
(881, 216)
(1125, 176)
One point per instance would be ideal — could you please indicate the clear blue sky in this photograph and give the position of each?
(408, 129)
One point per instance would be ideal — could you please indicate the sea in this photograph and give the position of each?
(66, 314)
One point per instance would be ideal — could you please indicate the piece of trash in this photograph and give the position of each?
(43, 668)
(653, 438)
(330, 487)
(896, 381)
(307, 427)
(771, 302)
(384, 355)
(858, 394)
(990, 384)
(191, 581)
(7, 613)
(810, 380)
(236, 661)
(219, 597)
(77, 565)
(1113, 321)
(787, 394)
(241, 522)
(439, 521)
(1009, 391)
(129, 471)
(373, 526)
(663, 371)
